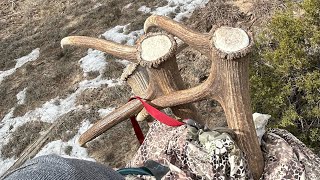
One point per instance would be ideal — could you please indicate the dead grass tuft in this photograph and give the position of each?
(121, 138)
(20, 110)
(98, 98)
(137, 24)
(215, 12)
(93, 74)
(68, 150)
(22, 137)
(113, 69)
(194, 67)
(71, 123)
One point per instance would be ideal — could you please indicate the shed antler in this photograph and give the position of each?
(157, 74)
(118, 50)
(228, 82)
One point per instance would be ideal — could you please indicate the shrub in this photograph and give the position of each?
(285, 71)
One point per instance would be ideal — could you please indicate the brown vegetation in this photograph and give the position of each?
(22, 137)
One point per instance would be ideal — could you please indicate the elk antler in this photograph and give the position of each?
(157, 75)
(118, 50)
(157, 52)
(228, 82)
(192, 38)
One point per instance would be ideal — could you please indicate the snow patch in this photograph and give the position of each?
(5, 164)
(181, 8)
(30, 57)
(20, 62)
(58, 147)
(121, 34)
(94, 61)
(144, 9)
(21, 96)
(103, 112)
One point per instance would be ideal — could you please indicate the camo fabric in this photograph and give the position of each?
(192, 153)
(286, 157)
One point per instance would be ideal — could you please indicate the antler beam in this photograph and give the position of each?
(228, 83)
(158, 75)
(118, 50)
(194, 39)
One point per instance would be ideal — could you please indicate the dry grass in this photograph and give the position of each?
(20, 110)
(93, 74)
(71, 123)
(113, 69)
(22, 137)
(116, 146)
(215, 12)
(98, 98)
(68, 150)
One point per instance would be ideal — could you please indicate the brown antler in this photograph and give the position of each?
(157, 52)
(192, 38)
(162, 77)
(228, 82)
(118, 50)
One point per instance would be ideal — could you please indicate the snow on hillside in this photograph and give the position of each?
(20, 62)
(92, 62)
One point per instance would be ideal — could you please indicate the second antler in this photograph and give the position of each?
(228, 82)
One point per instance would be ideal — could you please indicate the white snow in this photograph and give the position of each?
(21, 96)
(105, 111)
(181, 8)
(58, 147)
(260, 122)
(6, 164)
(122, 35)
(94, 61)
(144, 9)
(20, 62)
(30, 57)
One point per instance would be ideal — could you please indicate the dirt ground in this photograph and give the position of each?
(29, 24)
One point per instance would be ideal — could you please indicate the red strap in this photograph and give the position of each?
(155, 113)
(158, 115)
(137, 129)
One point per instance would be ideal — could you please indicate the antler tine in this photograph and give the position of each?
(199, 41)
(204, 90)
(115, 117)
(118, 50)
